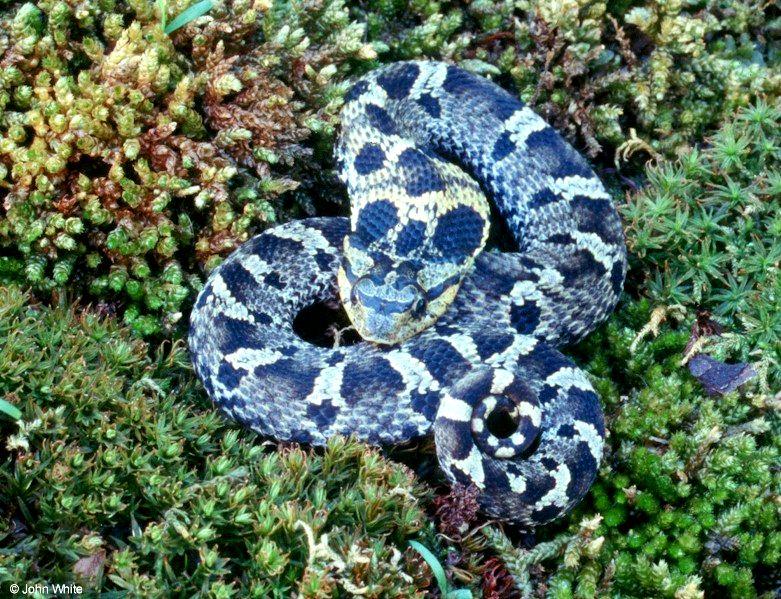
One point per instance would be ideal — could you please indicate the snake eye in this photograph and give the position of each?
(353, 298)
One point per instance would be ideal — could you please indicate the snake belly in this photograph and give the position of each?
(494, 350)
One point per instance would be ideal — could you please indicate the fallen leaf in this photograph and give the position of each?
(90, 566)
(719, 378)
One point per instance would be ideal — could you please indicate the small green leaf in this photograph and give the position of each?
(10, 410)
(433, 562)
(459, 594)
(190, 14)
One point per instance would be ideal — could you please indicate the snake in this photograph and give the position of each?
(458, 339)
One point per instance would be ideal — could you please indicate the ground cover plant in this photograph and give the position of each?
(646, 77)
(122, 477)
(704, 232)
(132, 160)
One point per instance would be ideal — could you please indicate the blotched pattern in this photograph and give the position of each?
(493, 348)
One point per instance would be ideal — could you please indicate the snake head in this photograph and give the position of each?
(399, 275)
(386, 304)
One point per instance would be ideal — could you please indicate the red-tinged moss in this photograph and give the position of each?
(131, 162)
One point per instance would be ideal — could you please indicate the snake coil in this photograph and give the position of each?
(422, 145)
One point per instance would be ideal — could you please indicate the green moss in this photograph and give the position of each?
(131, 162)
(618, 78)
(704, 233)
(688, 489)
(121, 476)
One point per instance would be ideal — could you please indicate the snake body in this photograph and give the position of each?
(492, 348)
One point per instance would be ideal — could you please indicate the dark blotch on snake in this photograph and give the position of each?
(459, 232)
(272, 279)
(272, 249)
(239, 333)
(375, 220)
(503, 147)
(460, 82)
(441, 358)
(287, 377)
(580, 264)
(555, 156)
(430, 104)
(617, 278)
(547, 513)
(596, 215)
(525, 318)
(420, 173)
(370, 158)
(398, 81)
(411, 237)
(380, 119)
(229, 376)
(566, 431)
(425, 403)
(365, 380)
(356, 91)
(583, 461)
(322, 415)
(490, 342)
(543, 197)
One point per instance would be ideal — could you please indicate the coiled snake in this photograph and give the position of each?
(459, 335)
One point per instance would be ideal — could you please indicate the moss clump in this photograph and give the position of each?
(122, 477)
(131, 161)
(704, 232)
(649, 75)
(688, 492)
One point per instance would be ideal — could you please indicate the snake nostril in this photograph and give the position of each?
(422, 299)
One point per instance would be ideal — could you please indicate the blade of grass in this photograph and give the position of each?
(162, 6)
(433, 563)
(10, 410)
(189, 14)
(439, 573)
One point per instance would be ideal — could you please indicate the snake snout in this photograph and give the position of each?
(381, 310)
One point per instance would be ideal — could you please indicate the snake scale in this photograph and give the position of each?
(461, 338)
